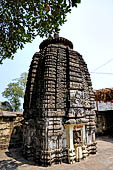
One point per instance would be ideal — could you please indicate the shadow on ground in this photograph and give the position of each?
(105, 138)
(14, 153)
(9, 165)
(15, 160)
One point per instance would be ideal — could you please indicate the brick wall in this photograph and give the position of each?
(10, 129)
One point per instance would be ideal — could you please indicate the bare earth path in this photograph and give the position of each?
(103, 160)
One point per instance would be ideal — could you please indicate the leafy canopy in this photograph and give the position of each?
(22, 20)
(15, 91)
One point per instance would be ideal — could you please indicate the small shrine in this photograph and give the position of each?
(59, 116)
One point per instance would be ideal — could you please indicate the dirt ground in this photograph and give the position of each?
(103, 160)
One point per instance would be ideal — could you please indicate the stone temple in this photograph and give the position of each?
(59, 116)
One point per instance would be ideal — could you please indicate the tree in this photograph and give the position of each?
(22, 20)
(15, 91)
(5, 106)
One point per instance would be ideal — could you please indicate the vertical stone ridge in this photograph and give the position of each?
(67, 82)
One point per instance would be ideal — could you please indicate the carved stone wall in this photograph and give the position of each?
(59, 90)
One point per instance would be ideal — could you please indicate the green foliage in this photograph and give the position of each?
(22, 20)
(5, 106)
(15, 91)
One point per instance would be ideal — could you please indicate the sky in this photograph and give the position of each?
(90, 28)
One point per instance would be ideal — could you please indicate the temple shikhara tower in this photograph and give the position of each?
(59, 116)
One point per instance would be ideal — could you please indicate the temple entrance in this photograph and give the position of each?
(78, 141)
(75, 141)
(77, 137)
